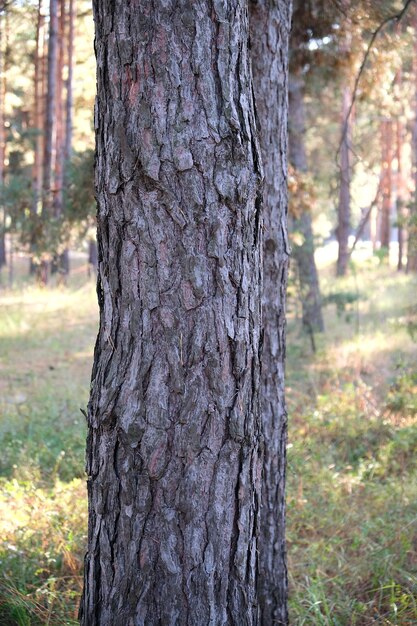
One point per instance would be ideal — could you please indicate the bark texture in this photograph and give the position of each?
(270, 22)
(173, 452)
(303, 253)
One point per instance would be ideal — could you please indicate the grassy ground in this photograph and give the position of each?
(352, 493)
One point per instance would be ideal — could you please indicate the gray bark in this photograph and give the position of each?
(303, 253)
(173, 453)
(270, 26)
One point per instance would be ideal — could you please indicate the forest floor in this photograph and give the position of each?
(352, 452)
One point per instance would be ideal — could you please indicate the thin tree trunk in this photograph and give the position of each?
(49, 148)
(173, 456)
(3, 259)
(69, 85)
(270, 26)
(50, 137)
(60, 263)
(38, 118)
(401, 194)
(386, 206)
(303, 253)
(38, 106)
(412, 221)
(343, 212)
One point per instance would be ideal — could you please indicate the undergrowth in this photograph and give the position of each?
(352, 493)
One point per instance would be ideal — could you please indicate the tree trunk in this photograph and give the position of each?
(3, 259)
(60, 263)
(270, 26)
(303, 253)
(385, 218)
(173, 453)
(49, 155)
(50, 130)
(92, 257)
(70, 99)
(401, 193)
(343, 212)
(412, 222)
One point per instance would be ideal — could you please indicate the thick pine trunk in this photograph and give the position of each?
(386, 204)
(303, 253)
(343, 211)
(173, 454)
(269, 27)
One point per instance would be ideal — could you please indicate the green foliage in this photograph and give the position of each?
(344, 301)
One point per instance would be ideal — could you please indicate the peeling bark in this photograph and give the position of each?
(173, 453)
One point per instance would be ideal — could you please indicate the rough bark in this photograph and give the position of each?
(270, 22)
(303, 253)
(173, 453)
(343, 210)
(386, 204)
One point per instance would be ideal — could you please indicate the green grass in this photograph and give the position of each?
(352, 456)
(46, 343)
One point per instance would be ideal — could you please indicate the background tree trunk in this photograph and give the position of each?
(303, 253)
(270, 26)
(343, 211)
(387, 155)
(70, 99)
(173, 455)
(412, 225)
(401, 192)
(3, 259)
(49, 147)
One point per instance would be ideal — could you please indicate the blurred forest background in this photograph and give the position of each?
(352, 309)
